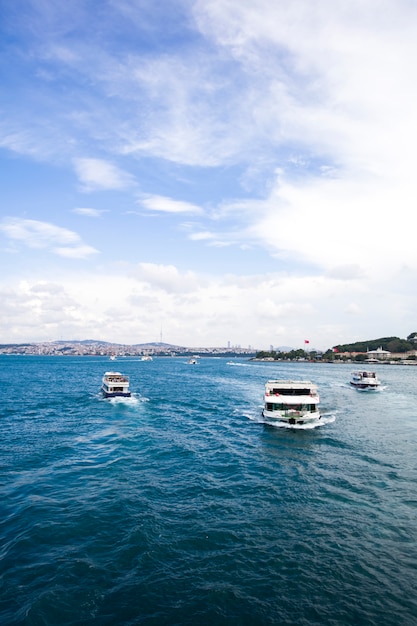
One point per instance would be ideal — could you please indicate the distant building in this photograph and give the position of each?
(379, 354)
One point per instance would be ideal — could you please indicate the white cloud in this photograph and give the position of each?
(89, 212)
(361, 226)
(75, 252)
(195, 309)
(38, 309)
(202, 236)
(346, 272)
(169, 205)
(97, 174)
(353, 309)
(166, 277)
(43, 235)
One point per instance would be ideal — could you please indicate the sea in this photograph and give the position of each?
(182, 506)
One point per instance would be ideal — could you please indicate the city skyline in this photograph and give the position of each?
(230, 171)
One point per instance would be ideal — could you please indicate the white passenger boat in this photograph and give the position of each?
(115, 384)
(365, 380)
(294, 402)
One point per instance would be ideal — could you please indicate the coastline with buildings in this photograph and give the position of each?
(377, 356)
(106, 349)
(349, 353)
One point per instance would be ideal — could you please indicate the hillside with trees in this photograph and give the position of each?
(392, 344)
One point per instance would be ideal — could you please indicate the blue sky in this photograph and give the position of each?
(226, 170)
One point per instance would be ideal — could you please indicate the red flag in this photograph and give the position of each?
(306, 341)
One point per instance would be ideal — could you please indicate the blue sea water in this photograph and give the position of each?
(181, 506)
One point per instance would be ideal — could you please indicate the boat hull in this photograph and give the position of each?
(292, 418)
(364, 386)
(116, 394)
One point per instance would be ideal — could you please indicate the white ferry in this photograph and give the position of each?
(365, 380)
(115, 384)
(294, 402)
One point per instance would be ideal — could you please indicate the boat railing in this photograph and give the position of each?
(299, 393)
(116, 379)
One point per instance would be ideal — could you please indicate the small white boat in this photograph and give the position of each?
(115, 384)
(294, 402)
(365, 380)
(192, 361)
(146, 357)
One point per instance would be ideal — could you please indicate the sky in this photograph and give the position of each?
(208, 172)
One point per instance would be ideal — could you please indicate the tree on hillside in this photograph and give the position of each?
(399, 345)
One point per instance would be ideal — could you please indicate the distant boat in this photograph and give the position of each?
(146, 357)
(365, 380)
(294, 402)
(112, 357)
(115, 384)
(192, 361)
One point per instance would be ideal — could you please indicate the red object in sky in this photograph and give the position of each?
(306, 341)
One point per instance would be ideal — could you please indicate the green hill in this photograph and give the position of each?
(393, 344)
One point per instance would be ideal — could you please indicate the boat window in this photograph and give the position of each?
(292, 392)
